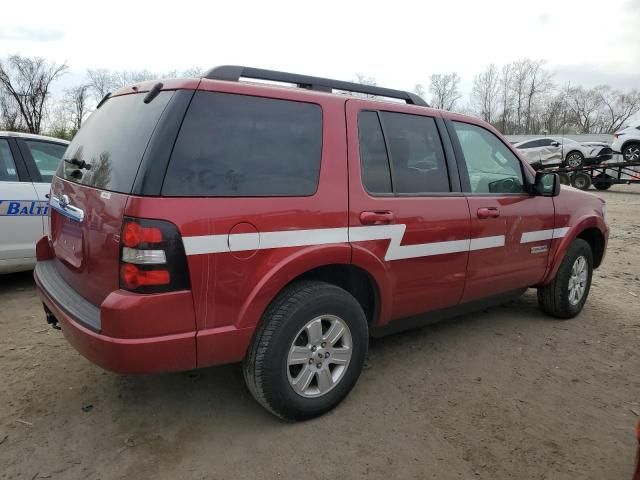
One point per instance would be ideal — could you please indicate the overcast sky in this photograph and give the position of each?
(400, 43)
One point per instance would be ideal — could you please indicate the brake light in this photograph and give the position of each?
(132, 277)
(152, 257)
(133, 234)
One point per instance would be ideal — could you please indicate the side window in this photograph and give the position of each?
(242, 146)
(418, 163)
(47, 157)
(526, 145)
(376, 176)
(8, 172)
(545, 142)
(492, 167)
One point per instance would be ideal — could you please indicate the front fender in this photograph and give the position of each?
(559, 250)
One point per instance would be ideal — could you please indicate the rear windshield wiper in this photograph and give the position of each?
(78, 163)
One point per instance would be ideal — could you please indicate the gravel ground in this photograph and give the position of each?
(505, 393)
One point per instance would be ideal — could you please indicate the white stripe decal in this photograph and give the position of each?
(199, 245)
(540, 235)
(487, 242)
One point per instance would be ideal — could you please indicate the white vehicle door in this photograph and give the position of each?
(550, 152)
(42, 159)
(530, 151)
(21, 211)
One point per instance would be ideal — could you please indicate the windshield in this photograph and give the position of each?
(112, 141)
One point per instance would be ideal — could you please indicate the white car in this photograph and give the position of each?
(552, 151)
(627, 142)
(27, 164)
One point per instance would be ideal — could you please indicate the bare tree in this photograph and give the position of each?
(444, 88)
(506, 101)
(27, 80)
(101, 82)
(584, 105)
(76, 100)
(419, 90)
(484, 94)
(616, 107)
(10, 117)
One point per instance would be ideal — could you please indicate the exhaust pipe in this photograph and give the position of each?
(51, 319)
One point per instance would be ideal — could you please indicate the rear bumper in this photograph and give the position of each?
(86, 332)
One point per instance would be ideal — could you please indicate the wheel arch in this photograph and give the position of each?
(591, 229)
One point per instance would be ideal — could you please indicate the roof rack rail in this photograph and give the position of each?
(233, 73)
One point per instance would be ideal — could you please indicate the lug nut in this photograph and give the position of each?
(324, 344)
(313, 348)
(319, 365)
(310, 361)
(319, 355)
(326, 355)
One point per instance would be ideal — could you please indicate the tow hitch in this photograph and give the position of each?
(51, 319)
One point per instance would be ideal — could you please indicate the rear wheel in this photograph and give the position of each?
(309, 351)
(574, 160)
(581, 181)
(631, 152)
(565, 296)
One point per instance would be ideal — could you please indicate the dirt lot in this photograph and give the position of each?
(507, 393)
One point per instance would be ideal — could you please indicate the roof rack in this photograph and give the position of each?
(233, 73)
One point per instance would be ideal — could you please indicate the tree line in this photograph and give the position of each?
(520, 97)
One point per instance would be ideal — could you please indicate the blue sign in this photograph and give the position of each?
(23, 208)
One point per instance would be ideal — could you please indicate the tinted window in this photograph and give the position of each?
(8, 171)
(416, 153)
(47, 157)
(545, 142)
(492, 167)
(373, 154)
(526, 145)
(113, 141)
(238, 145)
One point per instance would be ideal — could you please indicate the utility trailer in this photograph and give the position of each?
(601, 176)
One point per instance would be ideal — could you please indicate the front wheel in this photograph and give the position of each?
(565, 296)
(631, 152)
(309, 351)
(575, 160)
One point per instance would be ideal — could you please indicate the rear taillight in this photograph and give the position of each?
(152, 257)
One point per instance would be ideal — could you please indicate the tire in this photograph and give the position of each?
(555, 299)
(631, 152)
(564, 178)
(268, 372)
(574, 159)
(602, 185)
(581, 181)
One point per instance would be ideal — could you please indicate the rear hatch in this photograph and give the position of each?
(90, 190)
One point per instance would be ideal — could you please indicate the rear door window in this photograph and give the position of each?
(113, 141)
(244, 146)
(417, 157)
(46, 156)
(376, 175)
(8, 172)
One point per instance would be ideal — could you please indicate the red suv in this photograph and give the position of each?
(208, 221)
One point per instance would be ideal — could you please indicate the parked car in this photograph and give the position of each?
(208, 221)
(627, 142)
(27, 164)
(555, 151)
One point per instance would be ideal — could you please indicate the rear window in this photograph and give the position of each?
(113, 141)
(243, 146)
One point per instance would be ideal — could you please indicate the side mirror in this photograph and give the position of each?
(555, 144)
(546, 184)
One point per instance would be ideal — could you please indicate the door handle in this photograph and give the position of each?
(488, 212)
(377, 218)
